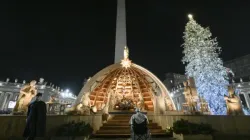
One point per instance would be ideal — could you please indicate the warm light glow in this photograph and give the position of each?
(190, 16)
(125, 52)
(89, 78)
(126, 63)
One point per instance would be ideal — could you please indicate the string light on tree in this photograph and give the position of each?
(190, 16)
(201, 56)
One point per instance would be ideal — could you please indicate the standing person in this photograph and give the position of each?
(36, 119)
(138, 117)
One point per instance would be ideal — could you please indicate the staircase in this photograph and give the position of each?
(118, 126)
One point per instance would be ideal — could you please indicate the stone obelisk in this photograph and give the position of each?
(120, 38)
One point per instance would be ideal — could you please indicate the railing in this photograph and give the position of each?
(56, 108)
(202, 108)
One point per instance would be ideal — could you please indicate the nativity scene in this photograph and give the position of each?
(122, 87)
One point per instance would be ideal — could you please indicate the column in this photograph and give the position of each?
(8, 99)
(120, 38)
(4, 101)
(1, 99)
(247, 99)
(178, 107)
(16, 97)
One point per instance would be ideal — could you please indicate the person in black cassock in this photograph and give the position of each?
(36, 119)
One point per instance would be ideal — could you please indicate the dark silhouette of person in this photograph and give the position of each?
(36, 119)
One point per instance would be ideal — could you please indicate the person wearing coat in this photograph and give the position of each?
(36, 119)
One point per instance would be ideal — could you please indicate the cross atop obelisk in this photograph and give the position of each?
(120, 38)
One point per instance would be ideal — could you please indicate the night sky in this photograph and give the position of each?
(65, 42)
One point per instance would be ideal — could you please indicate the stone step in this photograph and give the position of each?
(128, 135)
(126, 131)
(122, 120)
(122, 116)
(123, 124)
(128, 127)
(119, 126)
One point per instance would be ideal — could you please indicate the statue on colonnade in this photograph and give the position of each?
(191, 95)
(25, 96)
(52, 104)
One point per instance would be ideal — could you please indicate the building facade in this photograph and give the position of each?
(241, 80)
(174, 83)
(172, 80)
(9, 92)
(242, 89)
(240, 66)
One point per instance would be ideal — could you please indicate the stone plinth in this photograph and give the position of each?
(223, 124)
(233, 125)
(192, 137)
(13, 126)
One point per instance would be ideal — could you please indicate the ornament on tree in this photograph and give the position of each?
(201, 56)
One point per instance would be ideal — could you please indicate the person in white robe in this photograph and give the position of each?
(138, 117)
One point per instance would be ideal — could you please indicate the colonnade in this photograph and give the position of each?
(178, 98)
(246, 96)
(5, 98)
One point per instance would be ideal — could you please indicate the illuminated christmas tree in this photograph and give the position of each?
(201, 54)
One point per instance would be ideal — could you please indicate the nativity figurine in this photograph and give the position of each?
(191, 96)
(169, 105)
(84, 107)
(204, 109)
(233, 103)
